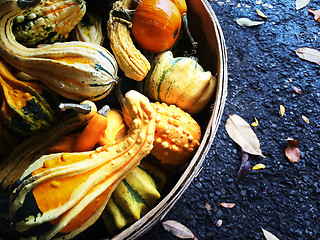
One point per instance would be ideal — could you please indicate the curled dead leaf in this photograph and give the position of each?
(282, 110)
(240, 132)
(292, 151)
(309, 54)
(246, 22)
(255, 123)
(208, 206)
(301, 4)
(316, 14)
(178, 229)
(258, 166)
(244, 167)
(227, 205)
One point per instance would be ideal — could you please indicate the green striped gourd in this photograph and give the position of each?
(134, 196)
(180, 81)
(75, 70)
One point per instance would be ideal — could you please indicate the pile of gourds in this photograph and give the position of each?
(71, 168)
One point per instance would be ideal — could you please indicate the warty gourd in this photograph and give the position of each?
(75, 70)
(48, 22)
(63, 194)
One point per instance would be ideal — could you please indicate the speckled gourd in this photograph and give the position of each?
(76, 70)
(62, 194)
(177, 134)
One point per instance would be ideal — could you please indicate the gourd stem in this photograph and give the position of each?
(82, 108)
(124, 14)
(104, 110)
(187, 31)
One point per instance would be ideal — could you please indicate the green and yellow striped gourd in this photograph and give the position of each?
(134, 196)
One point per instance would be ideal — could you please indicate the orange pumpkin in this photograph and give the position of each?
(156, 25)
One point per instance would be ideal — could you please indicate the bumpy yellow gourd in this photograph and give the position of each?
(76, 70)
(177, 134)
(66, 192)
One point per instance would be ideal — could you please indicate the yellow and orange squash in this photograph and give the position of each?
(63, 194)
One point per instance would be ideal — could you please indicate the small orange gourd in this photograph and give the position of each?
(156, 24)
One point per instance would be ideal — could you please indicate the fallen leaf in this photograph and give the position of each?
(301, 4)
(228, 205)
(255, 123)
(282, 110)
(309, 54)
(305, 119)
(219, 223)
(208, 206)
(246, 22)
(244, 167)
(259, 166)
(297, 90)
(268, 235)
(316, 14)
(292, 151)
(261, 14)
(240, 132)
(177, 229)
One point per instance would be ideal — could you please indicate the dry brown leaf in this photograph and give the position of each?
(228, 205)
(309, 54)
(261, 14)
(301, 4)
(178, 229)
(292, 151)
(282, 110)
(246, 22)
(208, 206)
(268, 235)
(305, 119)
(240, 132)
(316, 14)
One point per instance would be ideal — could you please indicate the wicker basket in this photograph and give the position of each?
(212, 56)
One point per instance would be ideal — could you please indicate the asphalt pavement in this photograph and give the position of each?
(264, 72)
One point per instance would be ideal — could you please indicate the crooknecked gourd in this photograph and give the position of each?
(47, 22)
(131, 61)
(177, 135)
(76, 70)
(24, 107)
(180, 81)
(25, 153)
(62, 194)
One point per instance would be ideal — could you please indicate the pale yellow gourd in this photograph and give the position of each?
(76, 70)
